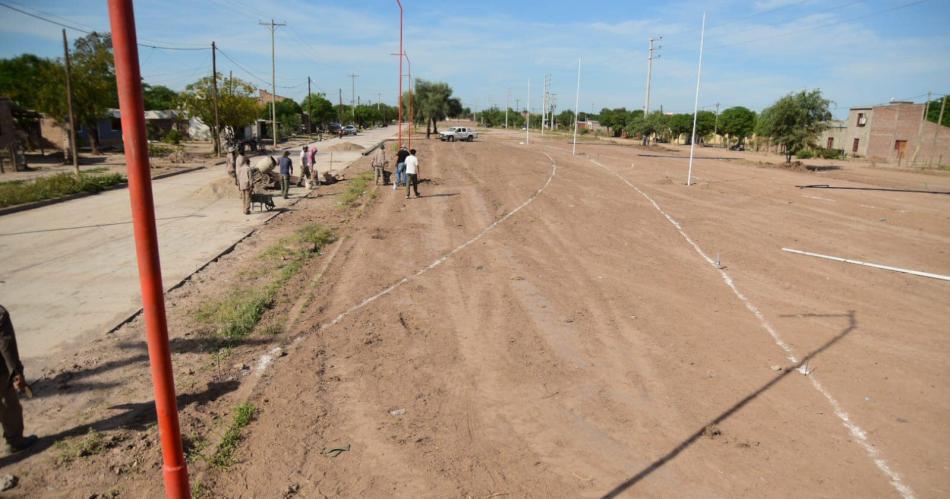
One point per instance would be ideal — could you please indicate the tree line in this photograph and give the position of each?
(38, 84)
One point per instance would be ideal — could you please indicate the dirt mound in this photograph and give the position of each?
(345, 146)
(219, 189)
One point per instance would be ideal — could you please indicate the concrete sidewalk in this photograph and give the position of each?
(69, 269)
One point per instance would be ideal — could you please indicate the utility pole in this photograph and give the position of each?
(943, 106)
(214, 98)
(920, 130)
(273, 75)
(353, 78)
(379, 98)
(716, 126)
(309, 109)
(507, 105)
(527, 122)
(650, 56)
(231, 82)
(339, 114)
(73, 146)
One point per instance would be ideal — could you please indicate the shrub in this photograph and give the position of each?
(826, 153)
(805, 154)
(173, 137)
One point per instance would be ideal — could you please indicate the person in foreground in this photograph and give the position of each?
(11, 375)
(412, 173)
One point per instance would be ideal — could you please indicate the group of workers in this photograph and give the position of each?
(407, 169)
(238, 167)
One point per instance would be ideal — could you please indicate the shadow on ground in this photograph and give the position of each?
(691, 439)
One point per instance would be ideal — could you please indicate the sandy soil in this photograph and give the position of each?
(538, 325)
(582, 346)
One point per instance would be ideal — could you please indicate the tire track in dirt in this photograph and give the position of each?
(330, 374)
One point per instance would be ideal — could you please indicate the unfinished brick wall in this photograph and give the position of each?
(900, 124)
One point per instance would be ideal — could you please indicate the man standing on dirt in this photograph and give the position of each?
(400, 167)
(412, 172)
(379, 162)
(304, 166)
(244, 182)
(11, 375)
(315, 175)
(286, 170)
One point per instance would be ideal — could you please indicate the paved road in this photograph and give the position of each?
(69, 270)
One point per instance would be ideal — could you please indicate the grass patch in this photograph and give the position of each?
(237, 314)
(356, 189)
(88, 445)
(54, 186)
(224, 455)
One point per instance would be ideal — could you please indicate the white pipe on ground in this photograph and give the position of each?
(868, 264)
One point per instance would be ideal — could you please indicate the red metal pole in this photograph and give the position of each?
(399, 100)
(128, 77)
(412, 121)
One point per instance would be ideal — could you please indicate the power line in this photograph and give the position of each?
(251, 74)
(86, 31)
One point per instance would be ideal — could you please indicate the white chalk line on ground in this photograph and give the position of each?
(436, 262)
(859, 434)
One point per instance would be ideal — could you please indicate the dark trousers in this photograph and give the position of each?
(284, 185)
(11, 416)
(412, 182)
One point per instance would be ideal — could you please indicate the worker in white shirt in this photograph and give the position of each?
(412, 173)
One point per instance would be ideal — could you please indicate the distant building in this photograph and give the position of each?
(264, 97)
(896, 133)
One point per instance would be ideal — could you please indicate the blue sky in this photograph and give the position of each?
(857, 52)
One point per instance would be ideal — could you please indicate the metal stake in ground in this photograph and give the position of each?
(129, 81)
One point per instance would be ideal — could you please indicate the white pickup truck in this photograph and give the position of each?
(454, 133)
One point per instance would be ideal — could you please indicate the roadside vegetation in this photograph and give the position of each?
(54, 186)
(224, 455)
(235, 316)
(356, 189)
(89, 444)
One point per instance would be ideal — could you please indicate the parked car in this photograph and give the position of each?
(454, 133)
(350, 130)
(737, 147)
(334, 127)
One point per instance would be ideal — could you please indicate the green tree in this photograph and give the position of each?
(431, 103)
(454, 108)
(933, 112)
(93, 83)
(681, 124)
(33, 82)
(159, 97)
(737, 123)
(320, 108)
(237, 104)
(288, 116)
(795, 121)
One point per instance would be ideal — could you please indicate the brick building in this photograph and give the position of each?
(896, 133)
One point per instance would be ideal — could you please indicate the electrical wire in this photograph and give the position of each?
(242, 68)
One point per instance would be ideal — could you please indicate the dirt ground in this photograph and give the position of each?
(542, 325)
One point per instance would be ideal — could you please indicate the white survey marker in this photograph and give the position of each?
(868, 264)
